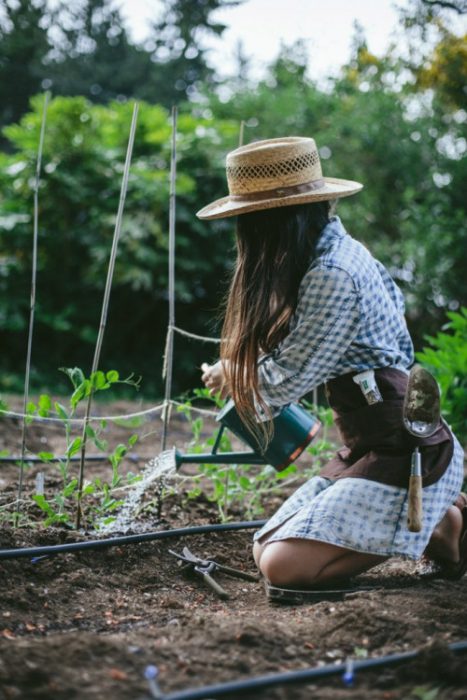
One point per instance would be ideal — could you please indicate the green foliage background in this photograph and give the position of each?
(446, 358)
(398, 126)
(84, 152)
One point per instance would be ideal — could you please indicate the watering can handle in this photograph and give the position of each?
(217, 441)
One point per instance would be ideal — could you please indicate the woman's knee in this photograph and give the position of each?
(257, 552)
(281, 566)
(306, 562)
(272, 566)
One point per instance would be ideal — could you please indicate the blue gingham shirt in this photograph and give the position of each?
(349, 318)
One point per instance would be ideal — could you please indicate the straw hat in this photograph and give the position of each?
(275, 173)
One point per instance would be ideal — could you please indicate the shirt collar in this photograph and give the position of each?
(332, 232)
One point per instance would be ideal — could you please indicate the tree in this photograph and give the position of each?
(94, 56)
(179, 51)
(422, 12)
(445, 71)
(24, 41)
(84, 49)
(437, 51)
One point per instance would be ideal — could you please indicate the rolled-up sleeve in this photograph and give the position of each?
(325, 323)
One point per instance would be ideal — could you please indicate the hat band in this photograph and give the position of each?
(279, 192)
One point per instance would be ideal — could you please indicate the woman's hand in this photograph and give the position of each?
(214, 379)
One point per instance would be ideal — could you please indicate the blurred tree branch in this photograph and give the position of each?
(460, 6)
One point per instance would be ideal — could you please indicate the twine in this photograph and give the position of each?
(206, 411)
(194, 336)
(95, 419)
(48, 419)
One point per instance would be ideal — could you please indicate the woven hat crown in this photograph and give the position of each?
(272, 164)
(276, 173)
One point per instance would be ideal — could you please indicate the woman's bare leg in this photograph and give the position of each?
(296, 562)
(300, 562)
(257, 552)
(444, 542)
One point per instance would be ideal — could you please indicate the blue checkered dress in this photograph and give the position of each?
(349, 317)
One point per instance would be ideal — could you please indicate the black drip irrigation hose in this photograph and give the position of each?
(235, 688)
(48, 550)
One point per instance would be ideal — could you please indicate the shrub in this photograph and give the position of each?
(446, 358)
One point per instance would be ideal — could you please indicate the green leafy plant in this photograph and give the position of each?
(360, 652)
(322, 448)
(58, 508)
(446, 358)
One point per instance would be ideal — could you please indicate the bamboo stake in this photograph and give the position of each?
(33, 299)
(315, 397)
(105, 304)
(168, 356)
(241, 135)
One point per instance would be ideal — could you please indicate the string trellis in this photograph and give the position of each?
(163, 408)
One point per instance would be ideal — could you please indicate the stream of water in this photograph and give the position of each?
(161, 466)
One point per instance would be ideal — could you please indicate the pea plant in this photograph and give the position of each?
(99, 494)
(246, 487)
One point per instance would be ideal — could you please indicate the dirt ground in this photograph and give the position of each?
(87, 624)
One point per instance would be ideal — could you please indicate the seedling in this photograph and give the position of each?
(57, 509)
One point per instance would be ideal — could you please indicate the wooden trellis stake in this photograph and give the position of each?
(105, 304)
(33, 302)
(168, 356)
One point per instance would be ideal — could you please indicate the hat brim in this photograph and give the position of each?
(333, 188)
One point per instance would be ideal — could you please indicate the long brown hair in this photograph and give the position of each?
(275, 247)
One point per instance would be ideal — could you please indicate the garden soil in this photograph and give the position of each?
(87, 625)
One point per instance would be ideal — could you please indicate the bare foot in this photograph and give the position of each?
(461, 501)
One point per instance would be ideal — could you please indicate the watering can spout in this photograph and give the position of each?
(217, 458)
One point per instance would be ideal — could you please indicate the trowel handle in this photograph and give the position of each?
(415, 514)
(415, 507)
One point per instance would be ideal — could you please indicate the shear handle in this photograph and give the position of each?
(189, 556)
(205, 572)
(236, 573)
(183, 558)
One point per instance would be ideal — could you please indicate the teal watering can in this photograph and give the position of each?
(294, 429)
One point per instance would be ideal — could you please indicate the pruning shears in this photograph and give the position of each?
(206, 567)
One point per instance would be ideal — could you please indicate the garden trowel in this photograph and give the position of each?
(421, 414)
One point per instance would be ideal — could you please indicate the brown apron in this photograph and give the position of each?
(377, 446)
